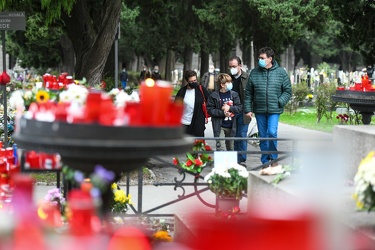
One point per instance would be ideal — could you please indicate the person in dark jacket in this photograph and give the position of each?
(193, 117)
(267, 92)
(223, 104)
(156, 74)
(145, 73)
(239, 80)
(124, 78)
(209, 79)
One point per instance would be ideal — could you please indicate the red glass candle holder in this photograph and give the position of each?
(132, 110)
(148, 101)
(47, 161)
(107, 112)
(2, 153)
(175, 113)
(3, 167)
(82, 212)
(163, 91)
(358, 86)
(69, 79)
(32, 160)
(93, 102)
(61, 111)
(154, 103)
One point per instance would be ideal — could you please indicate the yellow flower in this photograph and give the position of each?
(162, 236)
(42, 96)
(120, 196)
(114, 186)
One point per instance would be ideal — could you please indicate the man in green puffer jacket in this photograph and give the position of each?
(268, 90)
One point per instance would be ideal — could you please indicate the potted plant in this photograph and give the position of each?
(229, 184)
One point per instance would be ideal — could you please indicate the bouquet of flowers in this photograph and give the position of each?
(54, 197)
(364, 181)
(342, 118)
(195, 162)
(120, 201)
(229, 181)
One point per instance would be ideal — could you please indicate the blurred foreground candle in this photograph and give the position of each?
(163, 91)
(93, 102)
(155, 99)
(69, 80)
(175, 112)
(366, 84)
(107, 111)
(129, 238)
(27, 228)
(132, 110)
(32, 160)
(82, 212)
(148, 102)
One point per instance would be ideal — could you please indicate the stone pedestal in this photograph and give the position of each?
(353, 143)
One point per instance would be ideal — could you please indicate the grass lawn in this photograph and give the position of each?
(306, 118)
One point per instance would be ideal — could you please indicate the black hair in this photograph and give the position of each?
(189, 73)
(268, 51)
(236, 58)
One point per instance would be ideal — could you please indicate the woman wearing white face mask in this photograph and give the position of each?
(223, 105)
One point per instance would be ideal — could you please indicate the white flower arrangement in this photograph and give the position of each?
(74, 94)
(121, 98)
(228, 181)
(364, 182)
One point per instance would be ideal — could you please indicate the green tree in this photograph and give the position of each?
(91, 26)
(358, 18)
(39, 46)
(278, 24)
(326, 43)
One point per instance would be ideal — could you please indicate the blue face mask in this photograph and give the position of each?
(262, 63)
(229, 86)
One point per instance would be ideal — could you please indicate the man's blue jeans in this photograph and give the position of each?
(267, 128)
(123, 84)
(241, 132)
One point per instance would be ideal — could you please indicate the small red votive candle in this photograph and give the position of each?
(163, 91)
(93, 102)
(32, 158)
(107, 112)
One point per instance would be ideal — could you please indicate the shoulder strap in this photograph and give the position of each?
(200, 88)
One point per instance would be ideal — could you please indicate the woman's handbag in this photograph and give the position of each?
(204, 107)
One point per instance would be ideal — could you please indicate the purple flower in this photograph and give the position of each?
(95, 192)
(107, 176)
(78, 176)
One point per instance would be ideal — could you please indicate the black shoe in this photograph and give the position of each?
(242, 163)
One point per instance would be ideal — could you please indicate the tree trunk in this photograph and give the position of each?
(224, 57)
(109, 68)
(260, 38)
(92, 37)
(169, 65)
(67, 55)
(188, 58)
(204, 62)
